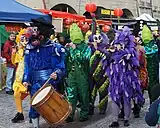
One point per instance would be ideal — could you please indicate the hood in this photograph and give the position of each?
(76, 35)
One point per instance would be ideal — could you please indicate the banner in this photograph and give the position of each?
(13, 27)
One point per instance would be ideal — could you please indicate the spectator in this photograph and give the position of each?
(7, 51)
(152, 117)
(63, 38)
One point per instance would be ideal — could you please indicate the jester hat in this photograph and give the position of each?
(97, 36)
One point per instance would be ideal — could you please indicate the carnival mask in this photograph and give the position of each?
(23, 40)
(97, 38)
(37, 37)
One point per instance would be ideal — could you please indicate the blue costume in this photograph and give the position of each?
(40, 63)
(42, 58)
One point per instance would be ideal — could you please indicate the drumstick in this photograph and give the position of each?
(46, 82)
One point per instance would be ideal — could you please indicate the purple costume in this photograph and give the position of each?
(122, 69)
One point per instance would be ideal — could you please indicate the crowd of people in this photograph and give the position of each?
(112, 64)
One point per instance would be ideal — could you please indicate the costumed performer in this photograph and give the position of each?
(43, 59)
(99, 81)
(122, 69)
(143, 73)
(151, 50)
(143, 76)
(157, 40)
(20, 92)
(78, 70)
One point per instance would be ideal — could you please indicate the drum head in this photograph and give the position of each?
(41, 95)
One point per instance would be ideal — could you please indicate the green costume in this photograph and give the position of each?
(78, 69)
(151, 50)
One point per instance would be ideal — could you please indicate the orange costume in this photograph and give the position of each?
(143, 73)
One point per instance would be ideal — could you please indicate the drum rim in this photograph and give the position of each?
(63, 118)
(46, 98)
(40, 103)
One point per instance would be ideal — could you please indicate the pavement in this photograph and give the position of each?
(8, 111)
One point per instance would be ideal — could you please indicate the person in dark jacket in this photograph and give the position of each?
(152, 117)
(7, 51)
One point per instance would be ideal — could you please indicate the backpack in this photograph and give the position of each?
(152, 116)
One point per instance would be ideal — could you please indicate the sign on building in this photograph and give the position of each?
(107, 12)
(58, 24)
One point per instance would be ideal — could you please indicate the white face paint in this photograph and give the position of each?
(138, 40)
(97, 38)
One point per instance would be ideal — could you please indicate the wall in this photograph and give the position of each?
(156, 9)
(30, 3)
(79, 5)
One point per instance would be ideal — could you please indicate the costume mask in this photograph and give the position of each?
(97, 38)
(41, 31)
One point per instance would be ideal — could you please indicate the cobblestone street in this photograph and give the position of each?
(7, 112)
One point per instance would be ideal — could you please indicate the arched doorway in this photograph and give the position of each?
(127, 14)
(64, 8)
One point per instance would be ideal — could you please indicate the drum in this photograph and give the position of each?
(52, 106)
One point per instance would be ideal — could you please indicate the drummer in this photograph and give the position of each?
(43, 59)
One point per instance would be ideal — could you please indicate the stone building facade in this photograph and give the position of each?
(131, 7)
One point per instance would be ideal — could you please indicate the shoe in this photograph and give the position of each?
(9, 92)
(136, 111)
(114, 125)
(136, 115)
(18, 118)
(83, 119)
(30, 121)
(91, 110)
(102, 113)
(126, 123)
(121, 115)
(69, 120)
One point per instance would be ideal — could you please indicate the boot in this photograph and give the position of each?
(18, 118)
(35, 122)
(102, 111)
(91, 110)
(136, 111)
(69, 120)
(30, 121)
(121, 114)
(10, 92)
(126, 123)
(83, 119)
(114, 125)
